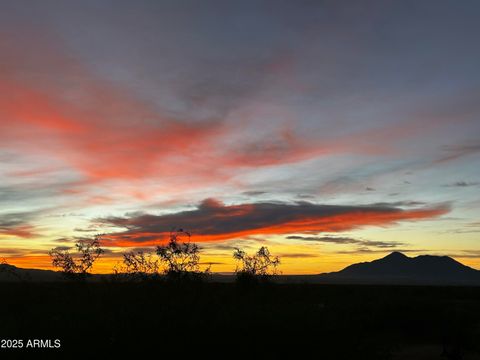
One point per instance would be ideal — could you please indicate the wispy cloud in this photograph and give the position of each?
(474, 254)
(347, 240)
(454, 152)
(298, 255)
(463, 184)
(18, 224)
(366, 250)
(254, 193)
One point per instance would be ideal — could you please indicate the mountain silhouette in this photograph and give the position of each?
(399, 268)
(395, 268)
(9, 273)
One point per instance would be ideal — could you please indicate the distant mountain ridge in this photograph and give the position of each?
(11, 273)
(397, 268)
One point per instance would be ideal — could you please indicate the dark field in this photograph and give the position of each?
(334, 321)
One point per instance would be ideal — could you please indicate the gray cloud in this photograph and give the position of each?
(462, 184)
(254, 193)
(13, 252)
(365, 250)
(216, 221)
(297, 255)
(463, 231)
(458, 151)
(473, 254)
(401, 203)
(18, 224)
(225, 247)
(472, 227)
(249, 242)
(383, 244)
(325, 239)
(346, 240)
(63, 248)
(14, 219)
(305, 196)
(85, 230)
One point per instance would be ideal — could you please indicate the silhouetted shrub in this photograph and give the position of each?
(77, 267)
(179, 257)
(252, 268)
(139, 265)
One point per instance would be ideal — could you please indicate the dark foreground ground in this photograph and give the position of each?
(329, 321)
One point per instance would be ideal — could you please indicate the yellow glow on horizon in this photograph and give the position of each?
(297, 257)
(326, 262)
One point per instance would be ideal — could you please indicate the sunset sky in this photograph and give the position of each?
(332, 132)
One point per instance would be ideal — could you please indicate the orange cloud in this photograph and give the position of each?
(55, 106)
(91, 125)
(213, 221)
(17, 225)
(25, 231)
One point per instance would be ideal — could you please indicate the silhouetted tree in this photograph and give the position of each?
(78, 266)
(139, 265)
(180, 257)
(260, 266)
